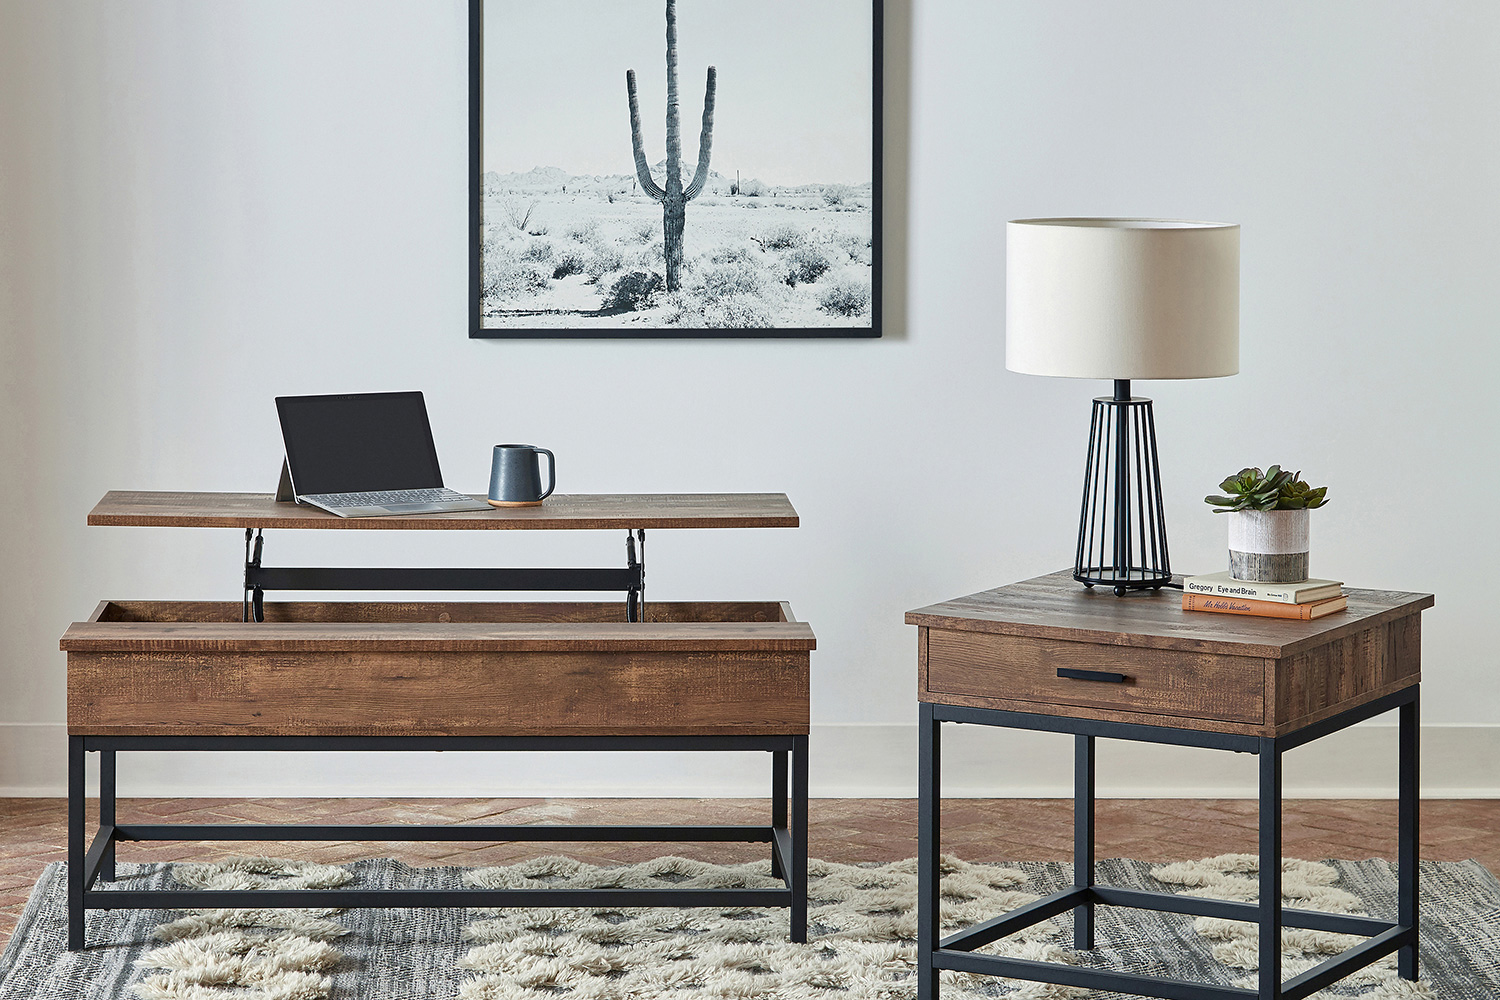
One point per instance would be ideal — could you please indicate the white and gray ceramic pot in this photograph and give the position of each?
(1268, 546)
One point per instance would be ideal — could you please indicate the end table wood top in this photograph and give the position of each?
(1056, 606)
(577, 511)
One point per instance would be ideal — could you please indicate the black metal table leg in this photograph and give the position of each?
(1270, 869)
(1083, 837)
(75, 842)
(1408, 823)
(959, 953)
(929, 830)
(778, 806)
(107, 811)
(799, 839)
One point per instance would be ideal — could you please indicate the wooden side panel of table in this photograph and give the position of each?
(1312, 685)
(1003, 648)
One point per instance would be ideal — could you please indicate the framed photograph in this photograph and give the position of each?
(675, 168)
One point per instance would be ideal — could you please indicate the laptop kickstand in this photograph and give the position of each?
(253, 606)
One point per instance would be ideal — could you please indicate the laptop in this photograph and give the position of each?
(365, 454)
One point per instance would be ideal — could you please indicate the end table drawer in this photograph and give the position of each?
(1006, 668)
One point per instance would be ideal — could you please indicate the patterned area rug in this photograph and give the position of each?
(862, 930)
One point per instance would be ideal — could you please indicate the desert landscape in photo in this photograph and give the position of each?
(569, 251)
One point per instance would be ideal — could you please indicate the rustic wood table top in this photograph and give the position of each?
(558, 512)
(1058, 607)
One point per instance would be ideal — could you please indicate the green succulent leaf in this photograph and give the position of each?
(1274, 489)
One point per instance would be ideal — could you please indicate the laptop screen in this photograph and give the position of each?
(359, 442)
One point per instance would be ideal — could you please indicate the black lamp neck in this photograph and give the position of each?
(1122, 390)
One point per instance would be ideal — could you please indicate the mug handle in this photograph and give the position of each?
(551, 472)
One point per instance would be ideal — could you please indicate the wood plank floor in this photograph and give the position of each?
(33, 831)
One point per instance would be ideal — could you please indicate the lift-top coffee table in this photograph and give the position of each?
(1049, 655)
(366, 675)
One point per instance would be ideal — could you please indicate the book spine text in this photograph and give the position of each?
(1243, 606)
(1246, 591)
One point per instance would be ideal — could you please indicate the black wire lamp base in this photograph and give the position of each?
(1122, 529)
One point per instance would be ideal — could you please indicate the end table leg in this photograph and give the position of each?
(1270, 870)
(799, 839)
(1083, 837)
(75, 842)
(778, 806)
(929, 832)
(107, 811)
(1409, 826)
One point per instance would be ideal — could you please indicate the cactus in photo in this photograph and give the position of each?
(674, 197)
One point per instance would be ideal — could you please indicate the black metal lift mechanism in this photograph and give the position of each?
(259, 579)
(957, 951)
(787, 833)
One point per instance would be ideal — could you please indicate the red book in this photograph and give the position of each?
(1263, 609)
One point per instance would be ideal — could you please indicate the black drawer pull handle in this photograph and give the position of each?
(1092, 675)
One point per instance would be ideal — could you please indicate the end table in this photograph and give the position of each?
(1050, 655)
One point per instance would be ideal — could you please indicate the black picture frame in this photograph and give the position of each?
(477, 327)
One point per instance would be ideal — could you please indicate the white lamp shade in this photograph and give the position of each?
(1122, 298)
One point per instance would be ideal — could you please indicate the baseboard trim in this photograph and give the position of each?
(849, 760)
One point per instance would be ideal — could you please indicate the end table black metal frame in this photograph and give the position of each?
(957, 951)
(787, 833)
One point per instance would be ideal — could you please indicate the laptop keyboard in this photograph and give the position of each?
(380, 498)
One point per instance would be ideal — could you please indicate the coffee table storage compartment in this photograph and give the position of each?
(437, 669)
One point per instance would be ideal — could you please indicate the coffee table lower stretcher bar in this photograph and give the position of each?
(437, 676)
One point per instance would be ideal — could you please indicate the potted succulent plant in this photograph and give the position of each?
(1268, 523)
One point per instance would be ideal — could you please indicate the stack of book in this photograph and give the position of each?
(1221, 593)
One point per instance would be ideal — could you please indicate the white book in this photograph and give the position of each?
(1224, 585)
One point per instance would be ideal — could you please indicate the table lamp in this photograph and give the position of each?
(1122, 299)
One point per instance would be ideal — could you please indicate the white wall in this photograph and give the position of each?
(205, 205)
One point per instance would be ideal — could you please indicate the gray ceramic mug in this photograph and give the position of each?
(516, 475)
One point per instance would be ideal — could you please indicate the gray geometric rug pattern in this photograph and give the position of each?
(860, 947)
